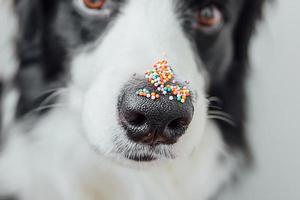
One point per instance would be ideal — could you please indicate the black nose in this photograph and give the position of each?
(152, 122)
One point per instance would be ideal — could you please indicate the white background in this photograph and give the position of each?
(274, 125)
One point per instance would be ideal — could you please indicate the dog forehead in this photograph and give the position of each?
(146, 28)
(133, 42)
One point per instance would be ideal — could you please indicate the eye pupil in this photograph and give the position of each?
(207, 13)
(94, 4)
(209, 16)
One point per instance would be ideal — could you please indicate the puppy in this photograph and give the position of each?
(80, 130)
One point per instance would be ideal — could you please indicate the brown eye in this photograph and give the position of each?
(210, 16)
(94, 4)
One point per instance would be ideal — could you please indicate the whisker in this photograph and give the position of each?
(53, 95)
(223, 118)
(216, 112)
(41, 108)
(219, 113)
(215, 107)
(214, 99)
(48, 91)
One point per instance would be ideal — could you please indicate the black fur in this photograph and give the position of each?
(228, 76)
(43, 48)
(231, 89)
(43, 44)
(41, 56)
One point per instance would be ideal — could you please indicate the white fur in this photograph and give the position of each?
(70, 153)
(134, 51)
(8, 26)
(54, 164)
(8, 61)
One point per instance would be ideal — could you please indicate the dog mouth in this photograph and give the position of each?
(141, 152)
(141, 158)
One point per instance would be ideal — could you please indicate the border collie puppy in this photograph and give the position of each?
(80, 131)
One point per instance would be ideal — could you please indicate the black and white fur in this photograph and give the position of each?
(67, 70)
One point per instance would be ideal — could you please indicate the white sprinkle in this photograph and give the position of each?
(171, 97)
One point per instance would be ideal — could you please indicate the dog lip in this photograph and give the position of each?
(142, 158)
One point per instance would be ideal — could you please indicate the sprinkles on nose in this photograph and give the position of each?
(161, 77)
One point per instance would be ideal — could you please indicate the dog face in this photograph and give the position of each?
(108, 44)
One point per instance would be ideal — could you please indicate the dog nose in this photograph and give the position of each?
(153, 122)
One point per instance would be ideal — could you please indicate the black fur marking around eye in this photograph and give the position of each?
(231, 90)
(228, 74)
(44, 44)
(40, 54)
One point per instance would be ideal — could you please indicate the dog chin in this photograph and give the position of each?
(136, 159)
(120, 150)
(139, 162)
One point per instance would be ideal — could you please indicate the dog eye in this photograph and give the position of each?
(209, 17)
(96, 9)
(94, 4)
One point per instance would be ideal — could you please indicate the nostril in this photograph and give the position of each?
(179, 123)
(136, 119)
